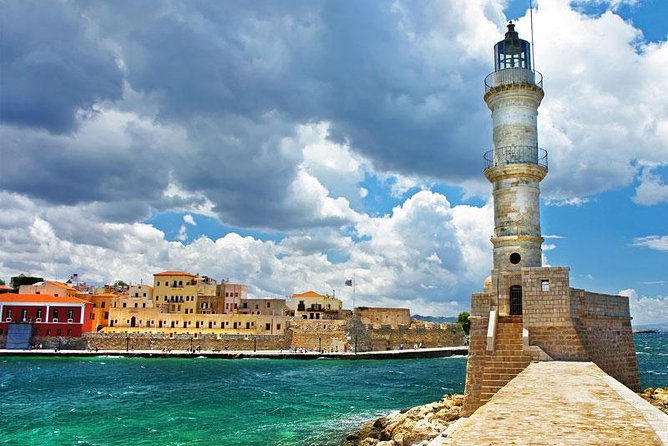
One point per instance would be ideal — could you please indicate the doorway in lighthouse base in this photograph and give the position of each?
(516, 300)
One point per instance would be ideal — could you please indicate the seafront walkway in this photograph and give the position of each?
(242, 354)
(561, 403)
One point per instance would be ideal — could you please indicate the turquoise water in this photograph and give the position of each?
(136, 401)
(652, 354)
(123, 401)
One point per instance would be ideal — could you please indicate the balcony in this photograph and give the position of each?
(513, 76)
(515, 155)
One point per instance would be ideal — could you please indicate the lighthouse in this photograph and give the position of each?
(515, 165)
(528, 312)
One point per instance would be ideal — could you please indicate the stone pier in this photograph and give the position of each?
(561, 403)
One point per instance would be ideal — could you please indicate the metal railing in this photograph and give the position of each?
(513, 76)
(515, 155)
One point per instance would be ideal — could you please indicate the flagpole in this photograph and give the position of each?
(354, 285)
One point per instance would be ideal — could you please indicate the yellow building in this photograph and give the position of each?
(311, 305)
(175, 292)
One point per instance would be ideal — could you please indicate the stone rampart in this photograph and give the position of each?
(159, 341)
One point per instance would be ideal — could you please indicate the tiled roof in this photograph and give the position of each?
(5, 287)
(40, 298)
(174, 273)
(308, 294)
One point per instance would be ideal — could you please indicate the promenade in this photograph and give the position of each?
(561, 403)
(244, 354)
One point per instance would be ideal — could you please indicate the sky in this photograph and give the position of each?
(295, 145)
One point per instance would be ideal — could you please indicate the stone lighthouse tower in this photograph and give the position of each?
(516, 165)
(527, 312)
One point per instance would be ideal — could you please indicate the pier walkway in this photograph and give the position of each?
(242, 354)
(561, 403)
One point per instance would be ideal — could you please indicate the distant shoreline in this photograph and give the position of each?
(441, 352)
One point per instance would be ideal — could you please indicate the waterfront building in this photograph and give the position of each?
(232, 294)
(265, 306)
(527, 311)
(50, 287)
(27, 316)
(102, 303)
(311, 305)
(175, 292)
(6, 289)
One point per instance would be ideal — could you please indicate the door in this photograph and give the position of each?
(516, 300)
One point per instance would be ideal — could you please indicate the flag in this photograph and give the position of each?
(349, 282)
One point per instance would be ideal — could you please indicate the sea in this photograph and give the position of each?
(146, 401)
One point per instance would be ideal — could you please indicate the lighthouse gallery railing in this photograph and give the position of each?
(513, 76)
(515, 155)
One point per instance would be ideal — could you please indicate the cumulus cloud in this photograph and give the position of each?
(424, 251)
(647, 310)
(652, 188)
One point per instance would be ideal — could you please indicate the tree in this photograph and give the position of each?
(2, 282)
(120, 285)
(463, 320)
(16, 281)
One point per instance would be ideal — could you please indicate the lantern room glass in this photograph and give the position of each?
(512, 52)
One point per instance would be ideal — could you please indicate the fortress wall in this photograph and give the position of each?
(159, 341)
(388, 338)
(604, 326)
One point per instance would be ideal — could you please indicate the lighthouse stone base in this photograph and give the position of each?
(556, 322)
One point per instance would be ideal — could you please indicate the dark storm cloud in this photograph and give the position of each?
(346, 62)
(237, 78)
(51, 66)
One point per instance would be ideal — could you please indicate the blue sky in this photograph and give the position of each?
(294, 145)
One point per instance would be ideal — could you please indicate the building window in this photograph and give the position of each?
(267, 327)
(157, 284)
(545, 285)
(59, 332)
(144, 294)
(56, 294)
(70, 314)
(278, 326)
(39, 313)
(106, 315)
(103, 303)
(268, 304)
(135, 304)
(69, 332)
(55, 314)
(236, 294)
(48, 332)
(125, 304)
(143, 305)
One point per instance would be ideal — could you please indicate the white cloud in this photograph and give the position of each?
(647, 310)
(425, 252)
(652, 188)
(189, 220)
(656, 242)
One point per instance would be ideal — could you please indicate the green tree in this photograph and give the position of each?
(16, 281)
(2, 282)
(120, 285)
(463, 320)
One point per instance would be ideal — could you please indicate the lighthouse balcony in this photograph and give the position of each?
(513, 76)
(515, 155)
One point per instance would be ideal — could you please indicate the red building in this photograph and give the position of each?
(49, 315)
